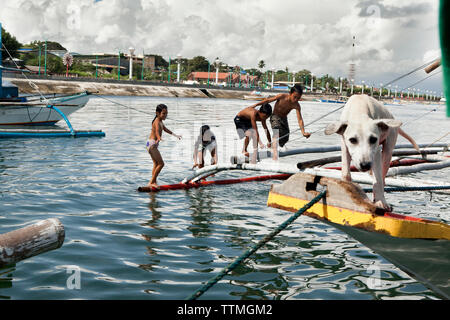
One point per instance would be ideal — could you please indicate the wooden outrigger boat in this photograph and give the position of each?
(28, 111)
(420, 247)
(15, 111)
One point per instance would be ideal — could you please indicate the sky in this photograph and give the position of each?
(393, 37)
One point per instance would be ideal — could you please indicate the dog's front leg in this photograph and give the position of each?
(378, 182)
(346, 159)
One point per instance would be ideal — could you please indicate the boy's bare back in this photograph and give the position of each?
(284, 105)
(247, 113)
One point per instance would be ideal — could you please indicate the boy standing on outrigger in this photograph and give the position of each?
(285, 103)
(245, 122)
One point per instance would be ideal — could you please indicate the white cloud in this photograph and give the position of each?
(392, 36)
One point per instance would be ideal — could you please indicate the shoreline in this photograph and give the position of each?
(110, 87)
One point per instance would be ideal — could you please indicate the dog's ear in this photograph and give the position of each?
(385, 124)
(336, 127)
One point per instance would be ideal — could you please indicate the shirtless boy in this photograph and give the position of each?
(245, 122)
(285, 103)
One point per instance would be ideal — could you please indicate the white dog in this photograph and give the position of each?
(365, 125)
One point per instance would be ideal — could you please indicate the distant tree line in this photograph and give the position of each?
(85, 67)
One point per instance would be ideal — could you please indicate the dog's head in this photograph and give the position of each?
(363, 139)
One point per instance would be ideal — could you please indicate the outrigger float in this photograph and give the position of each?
(427, 161)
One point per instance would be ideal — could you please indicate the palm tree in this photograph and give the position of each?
(261, 64)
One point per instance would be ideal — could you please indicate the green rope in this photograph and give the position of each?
(405, 189)
(253, 249)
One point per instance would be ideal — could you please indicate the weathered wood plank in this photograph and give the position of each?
(30, 241)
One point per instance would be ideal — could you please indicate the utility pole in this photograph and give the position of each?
(217, 70)
(118, 68)
(45, 55)
(131, 49)
(40, 58)
(168, 76)
(178, 68)
(143, 65)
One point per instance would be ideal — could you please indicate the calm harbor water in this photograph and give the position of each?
(129, 245)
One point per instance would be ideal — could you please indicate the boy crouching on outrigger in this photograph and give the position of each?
(245, 122)
(205, 141)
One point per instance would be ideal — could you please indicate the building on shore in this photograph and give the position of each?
(224, 78)
(111, 61)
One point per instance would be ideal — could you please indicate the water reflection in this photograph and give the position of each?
(6, 279)
(202, 205)
(156, 214)
(154, 207)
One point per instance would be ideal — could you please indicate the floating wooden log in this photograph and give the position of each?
(30, 241)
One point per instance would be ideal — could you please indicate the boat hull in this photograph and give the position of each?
(428, 261)
(420, 247)
(41, 115)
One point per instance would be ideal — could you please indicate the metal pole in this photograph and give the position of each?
(273, 70)
(178, 68)
(217, 71)
(130, 73)
(40, 59)
(118, 69)
(168, 76)
(143, 64)
(96, 66)
(45, 59)
(209, 69)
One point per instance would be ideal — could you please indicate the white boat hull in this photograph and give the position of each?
(41, 115)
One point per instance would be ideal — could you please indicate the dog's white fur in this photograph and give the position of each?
(366, 126)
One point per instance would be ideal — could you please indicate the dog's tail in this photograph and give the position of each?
(407, 137)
